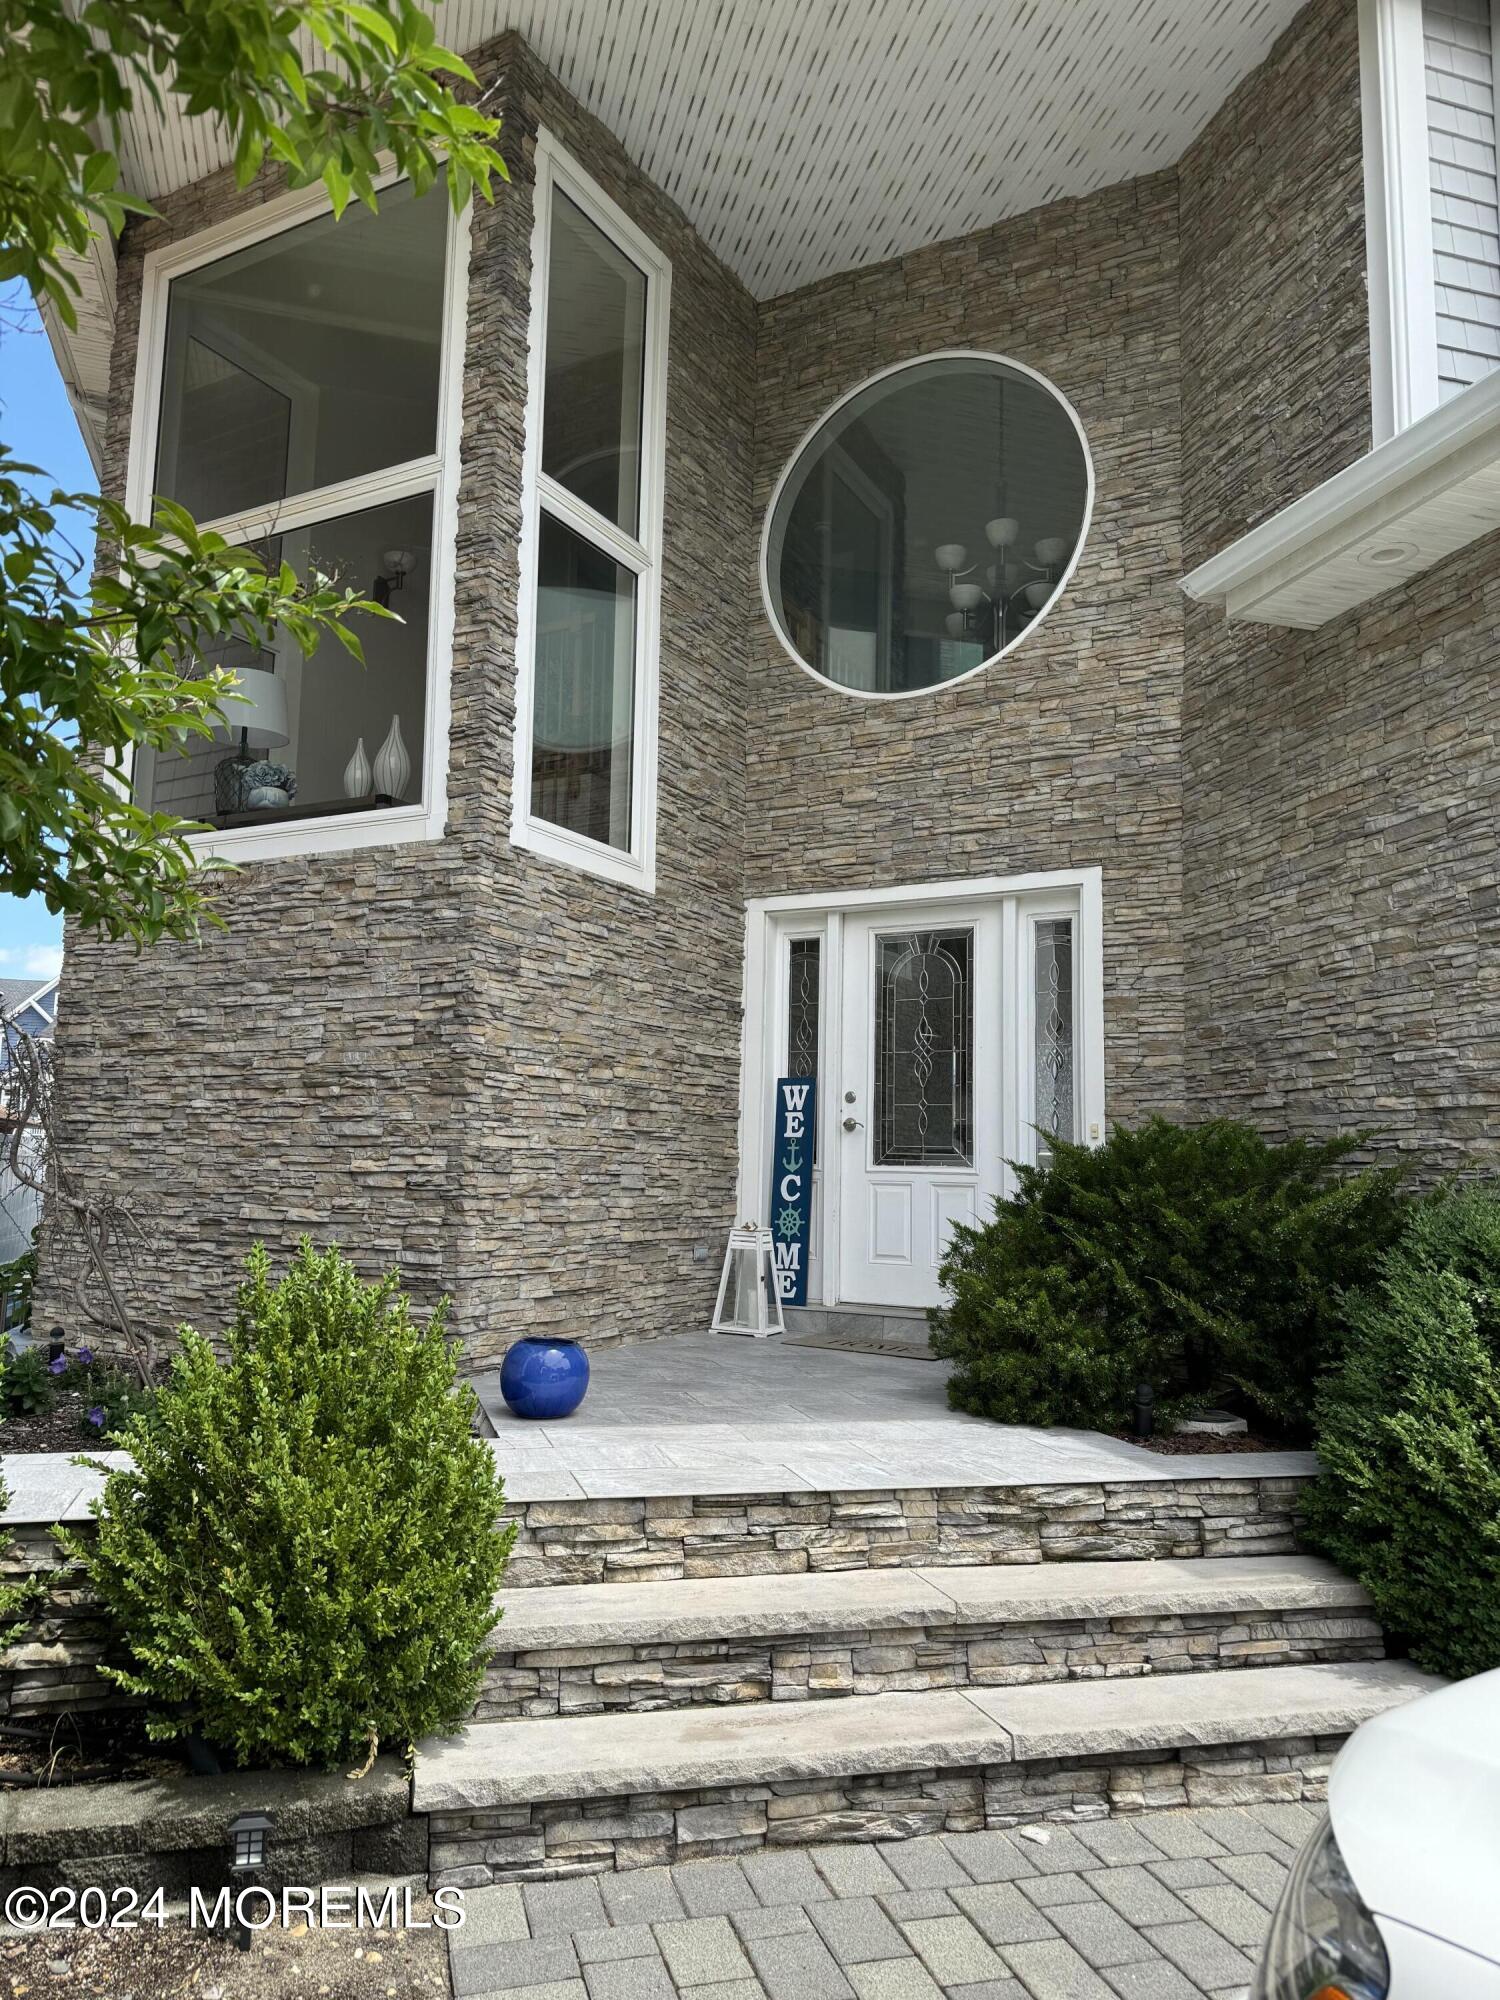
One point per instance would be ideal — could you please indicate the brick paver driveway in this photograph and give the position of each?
(1166, 1906)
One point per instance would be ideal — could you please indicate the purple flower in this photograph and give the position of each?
(95, 1416)
(85, 1357)
(58, 1366)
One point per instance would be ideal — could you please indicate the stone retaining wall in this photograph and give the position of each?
(53, 1667)
(765, 1534)
(907, 1660)
(149, 1833)
(570, 1837)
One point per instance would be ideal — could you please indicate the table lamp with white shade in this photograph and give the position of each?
(252, 714)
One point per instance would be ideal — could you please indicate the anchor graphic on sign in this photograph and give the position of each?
(791, 1159)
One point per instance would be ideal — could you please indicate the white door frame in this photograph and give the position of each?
(770, 921)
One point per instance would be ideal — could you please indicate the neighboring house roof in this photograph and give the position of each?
(30, 1006)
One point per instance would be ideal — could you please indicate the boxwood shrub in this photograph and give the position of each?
(302, 1560)
(1198, 1258)
(1409, 1437)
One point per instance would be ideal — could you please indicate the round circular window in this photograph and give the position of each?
(925, 525)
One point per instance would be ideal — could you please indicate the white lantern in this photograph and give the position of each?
(749, 1300)
(951, 556)
(1000, 533)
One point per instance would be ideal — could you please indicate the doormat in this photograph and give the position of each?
(860, 1343)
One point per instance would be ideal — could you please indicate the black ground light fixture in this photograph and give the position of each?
(1145, 1410)
(248, 1832)
(56, 1343)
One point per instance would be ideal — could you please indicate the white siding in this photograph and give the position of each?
(1465, 199)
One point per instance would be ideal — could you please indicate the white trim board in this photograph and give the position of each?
(438, 473)
(1429, 490)
(1398, 215)
(634, 868)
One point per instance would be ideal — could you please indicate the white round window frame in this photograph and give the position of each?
(883, 375)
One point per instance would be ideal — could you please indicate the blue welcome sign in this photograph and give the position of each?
(792, 1185)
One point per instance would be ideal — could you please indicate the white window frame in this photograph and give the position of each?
(436, 472)
(1404, 378)
(1025, 900)
(635, 868)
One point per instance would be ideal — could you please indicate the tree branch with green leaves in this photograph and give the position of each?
(92, 674)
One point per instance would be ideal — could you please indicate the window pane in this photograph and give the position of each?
(596, 330)
(804, 969)
(1055, 1116)
(926, 524)
(924, 1050)
(316, 728)
(804, 982)
(583, 715)
(306, 359)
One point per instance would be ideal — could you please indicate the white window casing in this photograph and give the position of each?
(1430, 484)
(633, 866)
(436, 472)
(1432, 213)
(1398, 215)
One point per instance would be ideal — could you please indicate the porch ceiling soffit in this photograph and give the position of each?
(807, 137)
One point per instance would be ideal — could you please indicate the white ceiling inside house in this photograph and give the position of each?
(807, 137)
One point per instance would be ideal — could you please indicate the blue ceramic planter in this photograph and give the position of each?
(544, 1378)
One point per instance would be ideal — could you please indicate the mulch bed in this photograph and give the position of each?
(148, 1964)
(61, 1428)
(1198, 1444)
(91, 1747)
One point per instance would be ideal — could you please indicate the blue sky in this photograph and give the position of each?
(37, 423)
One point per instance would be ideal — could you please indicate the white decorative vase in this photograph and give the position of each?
(392, 764)
(357, 773)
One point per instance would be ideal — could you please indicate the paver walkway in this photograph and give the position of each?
(1164, 1906)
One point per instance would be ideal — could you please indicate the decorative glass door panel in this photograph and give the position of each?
(918, 1124)
(924, 1049)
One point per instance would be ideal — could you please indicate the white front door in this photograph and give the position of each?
(915, 1120)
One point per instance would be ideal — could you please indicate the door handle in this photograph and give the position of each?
(853, 1125)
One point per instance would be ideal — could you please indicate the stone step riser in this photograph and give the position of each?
(595, 1678)
(761, 1534)
(549, 1839)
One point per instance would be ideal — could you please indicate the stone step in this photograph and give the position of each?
(584, 1648)
(531, 1799)
(1164, 1508)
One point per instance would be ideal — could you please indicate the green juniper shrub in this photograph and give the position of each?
(1198, 1258)
(302, 1560)
(1409, 1437)
(29, 1382)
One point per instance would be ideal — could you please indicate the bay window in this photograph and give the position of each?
(297, 391)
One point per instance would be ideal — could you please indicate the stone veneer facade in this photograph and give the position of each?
(520, 1083)
(1342, 866)
(515, 1081)
(1066, 754)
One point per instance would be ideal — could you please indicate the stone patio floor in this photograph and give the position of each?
(1164, 1906)
(707, 1413)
